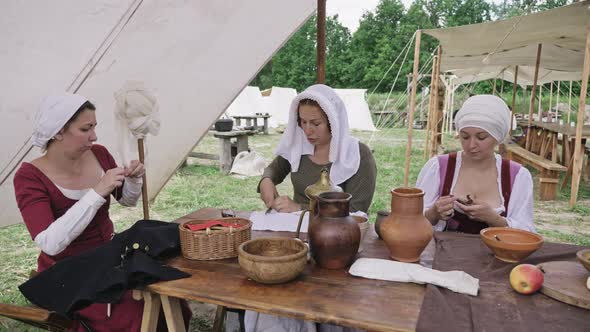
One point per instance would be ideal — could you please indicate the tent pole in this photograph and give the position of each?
(430, 107)
(434, 139)
(321, 42)
(532, 104)
(578, 150)
(569, 106)
(540, 108)
(494, 88)
(144, 193)
(513, 98)
(557, 102)
(502, 87)
(412, 107)
(549, 117)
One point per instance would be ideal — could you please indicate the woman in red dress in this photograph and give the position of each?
(64, 197)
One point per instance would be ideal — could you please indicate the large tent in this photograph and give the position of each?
(196, 56)
(278, 101)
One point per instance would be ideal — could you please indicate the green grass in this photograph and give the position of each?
(196, 186)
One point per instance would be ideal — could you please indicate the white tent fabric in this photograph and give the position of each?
(277, 104)
(492, 47)
(248, 102)
(526, 75)
(359, 116)
(196, 56)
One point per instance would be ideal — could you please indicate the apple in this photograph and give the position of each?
(526, 278)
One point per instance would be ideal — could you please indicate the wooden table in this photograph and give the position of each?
(225, 137)
(325, 296)
(254, 118)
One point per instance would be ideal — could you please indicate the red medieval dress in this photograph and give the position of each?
(40, 203)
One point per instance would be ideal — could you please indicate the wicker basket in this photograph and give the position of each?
(212, 244)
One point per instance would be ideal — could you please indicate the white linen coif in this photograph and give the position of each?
(137, 114)
(486, 112)
(344, 149)
(53, 113)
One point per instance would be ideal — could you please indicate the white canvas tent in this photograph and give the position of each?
(196, 56)
(277, 104)
(248, 102)
(492, 49)
(359, 115)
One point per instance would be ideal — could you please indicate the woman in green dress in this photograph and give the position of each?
(317, 136)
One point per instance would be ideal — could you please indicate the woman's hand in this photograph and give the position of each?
(483, 212)
(442, 209)
(285, 204)
(268, 192)
(135, 169)
(113, 178)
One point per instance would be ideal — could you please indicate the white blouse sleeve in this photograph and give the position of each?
(68, 227)
(520, 207)
(131, 191)
(429, 182)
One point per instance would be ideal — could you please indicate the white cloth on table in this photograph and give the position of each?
(280, 221)
(382, 269)
(71, 224)
(520, 207)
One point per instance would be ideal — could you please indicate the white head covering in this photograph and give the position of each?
(54, 112)
(486, 112)
(344, 149)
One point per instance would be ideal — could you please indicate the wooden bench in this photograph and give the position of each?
(254, 119)
(549, 177)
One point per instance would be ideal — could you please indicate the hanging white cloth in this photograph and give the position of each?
(137, 114)
(344, 149)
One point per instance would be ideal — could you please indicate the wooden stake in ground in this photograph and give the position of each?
(429, 119)
(578, 150)
(412, 107)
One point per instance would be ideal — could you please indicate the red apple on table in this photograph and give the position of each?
(526, 278)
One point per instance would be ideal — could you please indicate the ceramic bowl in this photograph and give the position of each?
(272, 260)
(510, 244)
(364, 225)
(584, 258)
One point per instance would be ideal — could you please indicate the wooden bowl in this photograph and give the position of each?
(584, 258)
(510, 244)
(272, 260)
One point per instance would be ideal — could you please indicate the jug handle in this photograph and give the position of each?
(299, 224)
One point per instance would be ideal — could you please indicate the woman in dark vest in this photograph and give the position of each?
(475, 188)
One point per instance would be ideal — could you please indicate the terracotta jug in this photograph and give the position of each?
(334, 236)
(406, 231)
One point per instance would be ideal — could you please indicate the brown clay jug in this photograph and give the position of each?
(334, 236)
(406, 231)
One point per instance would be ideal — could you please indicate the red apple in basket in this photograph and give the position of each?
(526, 278)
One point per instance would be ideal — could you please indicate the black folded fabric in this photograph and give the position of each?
(103, 274)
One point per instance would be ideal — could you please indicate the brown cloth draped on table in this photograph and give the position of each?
(497, 307)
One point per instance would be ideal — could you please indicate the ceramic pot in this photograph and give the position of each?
(334, 235)
(406, 231)
(381, 215)
(224, 124)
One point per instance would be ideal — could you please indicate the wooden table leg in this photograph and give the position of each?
(151, 311)
(265, 126)
(173, 314)
(219, 318)
(554, 148)
(242, 143)
(225, 158)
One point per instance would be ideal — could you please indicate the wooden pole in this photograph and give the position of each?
(578, 150)
(430, 109)
(569, 106)
(549, 117)
(532, 104)
(494, 88)
(321, 42)
(412, 107)
(502, 87)
(434, 139)
(540, 109)
(515, 85)
(144, 193)
(557, 102)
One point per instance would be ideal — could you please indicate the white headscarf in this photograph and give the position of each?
(54, 112)
(344, 149)
(486, 112)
